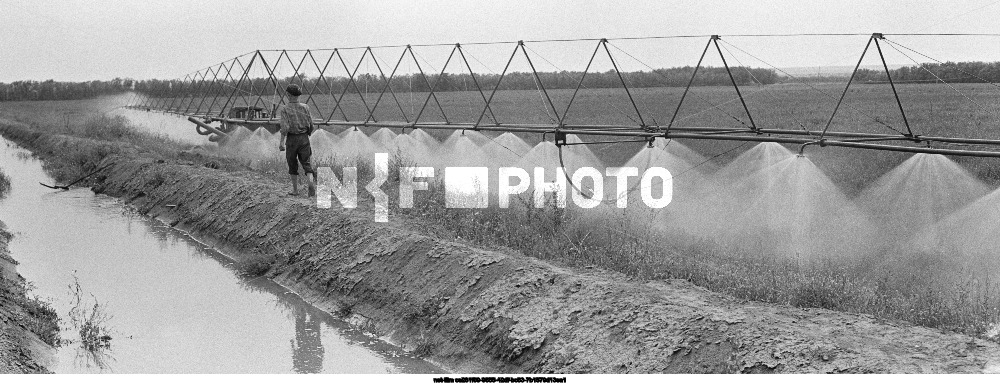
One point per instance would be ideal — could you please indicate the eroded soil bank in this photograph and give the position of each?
(477, 310)
(28, 327)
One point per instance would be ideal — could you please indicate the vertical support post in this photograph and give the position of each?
(642, 122)
(174, 90)
(302, 80)
(148, 101)
(250, 92)
(715, 40)
(475, 81)
(690, 82)
(246, 74)
(221, 85)
(368, 51)
(848, 86)
(580, 84)
(337, 100)
(322, 73)
(538, 79)
(197, 89)
(161, 96)
(130, 100)
(329, 88)
(388, 86)
(432, 87)
(876, 37)
(351, 82)
(274, 83)
(295, 68)
(183, 90)
(166, 97)
(156, 98)
(211, 85)
(371, 110)
(392, 92)
(496, 87)
(145, 100)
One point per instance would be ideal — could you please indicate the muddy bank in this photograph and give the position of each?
(28, 328)
(476, 310)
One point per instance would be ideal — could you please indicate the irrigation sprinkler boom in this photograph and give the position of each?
(246, 90)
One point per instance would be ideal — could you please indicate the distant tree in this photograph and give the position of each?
(951, 72)
(157, 88)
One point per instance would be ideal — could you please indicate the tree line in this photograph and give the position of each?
(951, 72)
(668, 77)
(954, 72)
(53, 90)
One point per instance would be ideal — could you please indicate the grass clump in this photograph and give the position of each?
(35, 314)
(117, 128)
(18, 304)
(4, 184)
(91, 321)
(255, 265)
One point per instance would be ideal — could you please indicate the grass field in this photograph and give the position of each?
(968, 110)
(933, 109)
(927, 290)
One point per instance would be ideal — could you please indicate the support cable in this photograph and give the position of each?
(942, 63)
(899, 103)
(814, 88)
(762, 86)
(659, 37)
(709, 102)
(967, 97)
(567, 75)
(715, 41)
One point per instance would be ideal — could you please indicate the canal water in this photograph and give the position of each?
(173, 305)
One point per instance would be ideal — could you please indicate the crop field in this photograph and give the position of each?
(930, 288)
(971, 110)
(936, 108)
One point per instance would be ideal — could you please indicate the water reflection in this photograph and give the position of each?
(98, 360)
(90, 322)
(307, 347)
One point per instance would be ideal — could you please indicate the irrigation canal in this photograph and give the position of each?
(174, 304)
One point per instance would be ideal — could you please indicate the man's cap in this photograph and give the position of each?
(293, 89)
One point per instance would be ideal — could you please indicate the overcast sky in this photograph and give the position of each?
(84, 40)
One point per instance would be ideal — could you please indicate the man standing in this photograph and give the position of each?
(296, 126)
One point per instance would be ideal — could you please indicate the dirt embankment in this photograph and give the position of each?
(476, 310)
(27, 326)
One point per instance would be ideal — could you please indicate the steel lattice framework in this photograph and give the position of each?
(207, 96)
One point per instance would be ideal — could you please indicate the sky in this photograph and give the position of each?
(75, 40)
